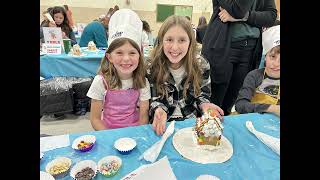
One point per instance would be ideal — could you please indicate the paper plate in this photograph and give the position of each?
(87, 50)
(106, 165)
(87, 139)
(184, 144)
(125, 145)
(81, 55)
(45, 176)
(81, 166)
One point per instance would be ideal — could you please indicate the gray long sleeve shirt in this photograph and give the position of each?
(253, 80)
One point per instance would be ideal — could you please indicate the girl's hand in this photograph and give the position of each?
(159, 121)
(64, 35)
(225, 16)
(216, 109)
(52, 24)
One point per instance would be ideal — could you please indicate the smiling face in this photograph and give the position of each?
(58, 18)
(125, 59)
(175, 45)
(273, 62)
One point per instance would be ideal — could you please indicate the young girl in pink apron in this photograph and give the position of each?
(120, 92)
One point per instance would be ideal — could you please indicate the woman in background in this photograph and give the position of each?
(147, 35)
(201, 29)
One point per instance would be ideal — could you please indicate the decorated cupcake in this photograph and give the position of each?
(109, 165)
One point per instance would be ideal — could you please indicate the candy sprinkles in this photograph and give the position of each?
(110, 168)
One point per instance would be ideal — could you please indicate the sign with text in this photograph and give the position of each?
(53, 39)
(51, 48)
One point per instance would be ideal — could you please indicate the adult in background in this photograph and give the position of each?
(232, 44)
(95, 31)
(201, 29)
(146, 33)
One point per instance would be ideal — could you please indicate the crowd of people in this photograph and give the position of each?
(176, 83)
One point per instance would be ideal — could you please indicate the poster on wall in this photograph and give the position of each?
(183, 10)
(166, 10)
(53, 40)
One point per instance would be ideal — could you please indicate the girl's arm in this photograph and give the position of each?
(203, 100)
(73, 38)
(159, 121)
(95, 115)
(143, 112)
(205, 87)
(158, 112)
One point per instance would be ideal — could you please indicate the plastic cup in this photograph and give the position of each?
(67, 45)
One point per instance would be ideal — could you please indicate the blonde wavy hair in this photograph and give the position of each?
(160, 63)
(109, 72)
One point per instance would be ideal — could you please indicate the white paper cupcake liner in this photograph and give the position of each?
(45, 176)
(108, 159)
(59, 161)
(125, 145)
(82, 165)
(85, 138)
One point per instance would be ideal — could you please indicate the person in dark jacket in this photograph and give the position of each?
(232, 44)
(201, 29)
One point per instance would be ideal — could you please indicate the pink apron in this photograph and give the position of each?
(120, 107)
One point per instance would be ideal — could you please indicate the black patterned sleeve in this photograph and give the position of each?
(155, 101)
(205, 93)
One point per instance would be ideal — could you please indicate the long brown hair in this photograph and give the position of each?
(109, 72)
(160, 63)
(65, 24)
(202, 22)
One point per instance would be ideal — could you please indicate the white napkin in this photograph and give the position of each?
(271, 142)
(53, 142)
(151, 171)
(153, 152)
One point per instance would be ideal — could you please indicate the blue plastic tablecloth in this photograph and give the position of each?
(251, 158)
(64, 65)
